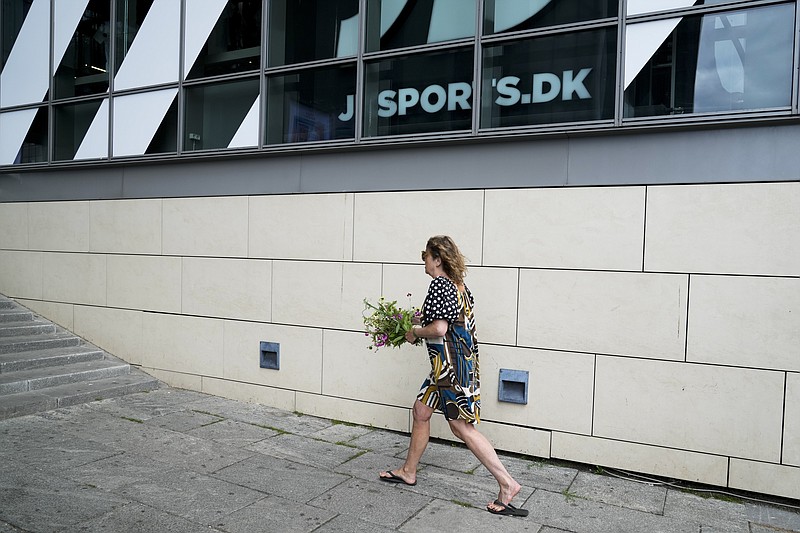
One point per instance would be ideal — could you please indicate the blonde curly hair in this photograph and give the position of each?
(453, 261)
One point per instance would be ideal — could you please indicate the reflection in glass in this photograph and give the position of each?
(517, 15)
(34, 147)
(400, 23)
(561, 78)
(215, 112)
(84, 68)
(70, 124)
(14, 13)
(308, 30)
(130, 16)
(312, 105)
(638, 7)
(419, 94)
(740, 60)
(234, 44)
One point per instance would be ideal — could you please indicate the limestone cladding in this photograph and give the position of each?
(658, 325)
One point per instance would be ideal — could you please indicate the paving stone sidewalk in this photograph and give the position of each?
(179, 461)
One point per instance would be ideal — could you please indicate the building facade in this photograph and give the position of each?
(181, 182)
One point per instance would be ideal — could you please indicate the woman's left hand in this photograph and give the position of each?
(410, 337)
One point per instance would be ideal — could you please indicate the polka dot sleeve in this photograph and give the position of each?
(441, 302)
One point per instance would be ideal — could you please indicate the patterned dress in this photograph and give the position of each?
(453, 386)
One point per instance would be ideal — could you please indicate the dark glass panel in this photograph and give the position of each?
(567, 77)
(419, 94)
(311, 105)
(70, 124)
(399, 23)
(234, 44)
(214, 113)
(502, 16)
(731, 61)
(308, 30)
(84, 70)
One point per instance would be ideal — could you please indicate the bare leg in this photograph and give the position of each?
(484, 451)
(420, 434)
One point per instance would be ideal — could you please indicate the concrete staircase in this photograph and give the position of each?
(43, 366)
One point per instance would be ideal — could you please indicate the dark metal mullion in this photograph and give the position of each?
(796, 62)
(358, 97)
(181, 61)
(619, 103)
(262, 77)
(112, 71)
(477, 61)
(51, 141)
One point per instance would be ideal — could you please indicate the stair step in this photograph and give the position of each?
(25, 403)
(15, 315)
(5, 303)
(18, 329)
(40, 342)
(14, 362)
(40, 378)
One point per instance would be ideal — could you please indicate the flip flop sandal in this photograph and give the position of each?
(394, 478)
(508, 510)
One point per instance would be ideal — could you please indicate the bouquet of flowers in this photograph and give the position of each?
(387, 323)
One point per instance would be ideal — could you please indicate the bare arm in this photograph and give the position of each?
(437, 328)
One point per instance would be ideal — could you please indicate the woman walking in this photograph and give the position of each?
(453, 386)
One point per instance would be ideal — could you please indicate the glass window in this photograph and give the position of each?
(152, 58)
(400, 23)
(559, 78)
(166, 138)
(145, 123)
(25, 78)
(312, 105)
(84, 67)
(70, 124)
(637, 7)
(28, 126)
(214, 113)
(738, 60)
(234, 44)
(308, 30)
(419, 94)
(517, 15)
(14, 13)
(130, 15)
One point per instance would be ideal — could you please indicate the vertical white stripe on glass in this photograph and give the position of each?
(95, 143)
(136, 120)
(14, 127)
(25, 78)
(247, 134)
(201, 16)
(636, 7)
(153, 56)
(641, 42)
